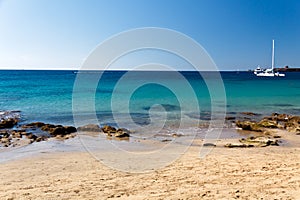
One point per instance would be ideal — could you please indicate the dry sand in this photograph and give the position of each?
(248, 173)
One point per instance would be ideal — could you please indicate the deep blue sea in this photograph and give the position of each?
(52, 97)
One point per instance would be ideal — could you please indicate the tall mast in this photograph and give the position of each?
(273, 55)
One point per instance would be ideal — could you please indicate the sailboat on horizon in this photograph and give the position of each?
(270, 72)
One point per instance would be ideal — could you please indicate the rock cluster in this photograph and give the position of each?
(281, 121)
(258, 141)
(54, 130)
(18, 137)
(9, 119)
(110, 131)
(12, 134)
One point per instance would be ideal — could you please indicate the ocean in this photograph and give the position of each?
(139, 98)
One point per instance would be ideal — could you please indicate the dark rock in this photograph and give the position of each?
(209, 145)
(90, 128)
(9, 123)
(229, 118)
(109, 129)
(35, 124)
(31, 136)
(48, 127)
(57, 131)
(39, 139)
(4, 134)
(121, 134)
(70, 129)
(16, 134)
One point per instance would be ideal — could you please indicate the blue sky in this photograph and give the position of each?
(61, 33)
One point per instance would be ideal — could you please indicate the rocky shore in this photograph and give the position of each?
(259, 129)
(262, 130)
(13, 134)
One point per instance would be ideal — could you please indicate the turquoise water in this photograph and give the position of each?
(48, 95)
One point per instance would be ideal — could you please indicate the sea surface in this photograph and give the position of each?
(140, 98)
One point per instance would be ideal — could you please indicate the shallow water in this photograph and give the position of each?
(138, 99)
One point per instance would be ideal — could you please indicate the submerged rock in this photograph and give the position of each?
(34, 124)
(249, 113)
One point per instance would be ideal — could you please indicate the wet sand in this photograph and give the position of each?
(243, 173)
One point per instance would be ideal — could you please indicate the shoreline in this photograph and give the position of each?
(65, 169)
(237, 129)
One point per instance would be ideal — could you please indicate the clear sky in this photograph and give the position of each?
(61, 33)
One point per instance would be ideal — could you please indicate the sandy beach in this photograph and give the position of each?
(226, 173)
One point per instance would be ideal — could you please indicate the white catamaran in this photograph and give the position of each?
(270, 72)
